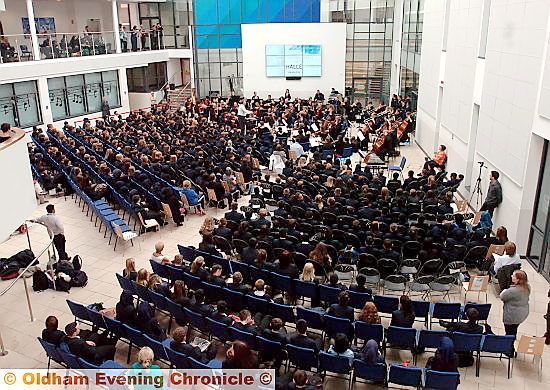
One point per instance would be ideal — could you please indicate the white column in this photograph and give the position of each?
(396, 48)
(34, 37)
(118, 45)
(45, 104)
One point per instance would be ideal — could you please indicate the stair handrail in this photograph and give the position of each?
(186, 87)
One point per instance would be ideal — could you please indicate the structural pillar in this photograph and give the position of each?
(32, 25)
(118, 45)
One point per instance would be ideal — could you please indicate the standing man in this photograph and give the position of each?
(242, 112)
(494, 194)
(55, 229)
(123, 38)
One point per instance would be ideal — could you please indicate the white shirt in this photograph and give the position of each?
(52, 223)
(297, 148)
(504, 260)
(242, 111)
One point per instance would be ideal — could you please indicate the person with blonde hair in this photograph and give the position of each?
(193, 197)
(369, 314)
(197, 268)
(142, 277)
(157, 255)
(208, 226)
(130, 271)
(146, 357)
(308, 273)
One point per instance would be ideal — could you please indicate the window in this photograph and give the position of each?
(77, 95)
(147, 78)
(19, 104)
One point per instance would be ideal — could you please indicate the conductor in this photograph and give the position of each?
(242, 112)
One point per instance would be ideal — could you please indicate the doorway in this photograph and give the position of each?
(538, 250)
(185, 71)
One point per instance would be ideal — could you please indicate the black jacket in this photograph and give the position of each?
(304, 341)
(55, 336)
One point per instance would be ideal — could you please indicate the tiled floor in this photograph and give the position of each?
(101, 263)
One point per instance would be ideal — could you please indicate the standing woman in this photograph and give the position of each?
(287, 94)
(516, 302)
(134, 38)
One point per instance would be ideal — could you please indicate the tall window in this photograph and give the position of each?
(77, 95)
(147, 78)
(19, 104)
(411, 44)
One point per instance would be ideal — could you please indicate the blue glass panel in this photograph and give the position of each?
(302, 11)
(206, 12)
(250, 11)
(262, 6)
(230, 29)
(275, 11)
(235, 11)
(223, 11)
(230, 41)
(206, 30)
(289, 11)
(315, 11)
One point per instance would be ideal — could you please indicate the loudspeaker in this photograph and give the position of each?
(294, 78)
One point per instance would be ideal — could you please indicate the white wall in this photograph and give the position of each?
(511, 87)
(17, 199)
(332, 38)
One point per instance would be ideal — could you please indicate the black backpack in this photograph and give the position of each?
(9, 267)
(62, 285)
(80, 279)
(39, 281)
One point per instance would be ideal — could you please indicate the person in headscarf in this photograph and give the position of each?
(445, 358)
(371, 353)
(125, 310)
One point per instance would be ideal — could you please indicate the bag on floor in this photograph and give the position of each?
(9, 267)
(66, 267)
(40, 281)
(61, 284)
(77, 263)
(24, 258)
(79, 279)
(9, 276)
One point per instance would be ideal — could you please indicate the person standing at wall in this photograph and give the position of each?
(134, 38)
(143, 37)
(55, 229)
(105, 108)
(123, 38)
(494, 194)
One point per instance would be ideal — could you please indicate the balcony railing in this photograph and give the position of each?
(17, 48)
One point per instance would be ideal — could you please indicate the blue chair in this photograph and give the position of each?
(430, 339)
(80, 312)
(237, 266)
(482, 308)
(70, 359)
(305, 145)
(334, 325)
(499, 345)
(386, 305)
(399, 168)
(327, 154)
(259, 273)
(284, 312)
(306, 289)
(114, 327)
(405, 376)
(87, 365)
(142, 292)
(217, 329)
(400, 338)
(329, 294)
(238, 334)
(357, 300)
(212, 291)
(314, 318)
(303, 358)
(157, 347)
(135, 337)
(97, 319)
(281, 282)
(332, 363)
(439, 380)
(191, 281)
(159, 301)
(365, 331)
(176, 273)
(177, 359)
(51, 352)
(466, 342)
(422, 310)
(256, 304)
(234, 299)
(160, 269)
(372, 373)
(112, 365)
(196, 322)
(125, 284)
(187, 253)
(269, 349)
(197, 365)
(176, 312)
(445, 311)
(346, 154)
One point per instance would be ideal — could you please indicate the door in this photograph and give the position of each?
(185, 71)
(538, 251)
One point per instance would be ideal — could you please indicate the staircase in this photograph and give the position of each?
(178, 97)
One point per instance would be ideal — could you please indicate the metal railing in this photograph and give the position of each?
(17, 48)
(23, 275)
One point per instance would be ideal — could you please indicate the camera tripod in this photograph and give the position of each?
(477, 191)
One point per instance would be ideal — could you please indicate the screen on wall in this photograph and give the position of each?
(293, 60)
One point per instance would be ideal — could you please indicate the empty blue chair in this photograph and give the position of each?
(135, 337)
(399, 168)
(125, 284)
(400, 338)
(336, 364)
(499, 345)
(157, 347)
(482, 308)
(303, 358)
(197, 365)
(87, 365)
(422, 310)
(217, 329)
(159, 301)
(52, 352)
(70, 359)
(187, 253)
(238, 334)
(372, 373)
(313, 317)
(176, 312)
(405, 376)
(466, 342)
(281, 282)
(80, 312)
(365, 331)
(439, 380)
(259, 273)
(445, 311)
(430, 338)
(268, 348)
(191, 281)
(234, 299)
(160, 269)
(329, 294)
(327, 154)
(97, 319)
(114, 326)
(385, 304)
(196, 321)
(346, 153)
(256, 304)
(357, 300)
(334, 325)
(176, 273)
(212, 291)
(177, 359)
(284, 312)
